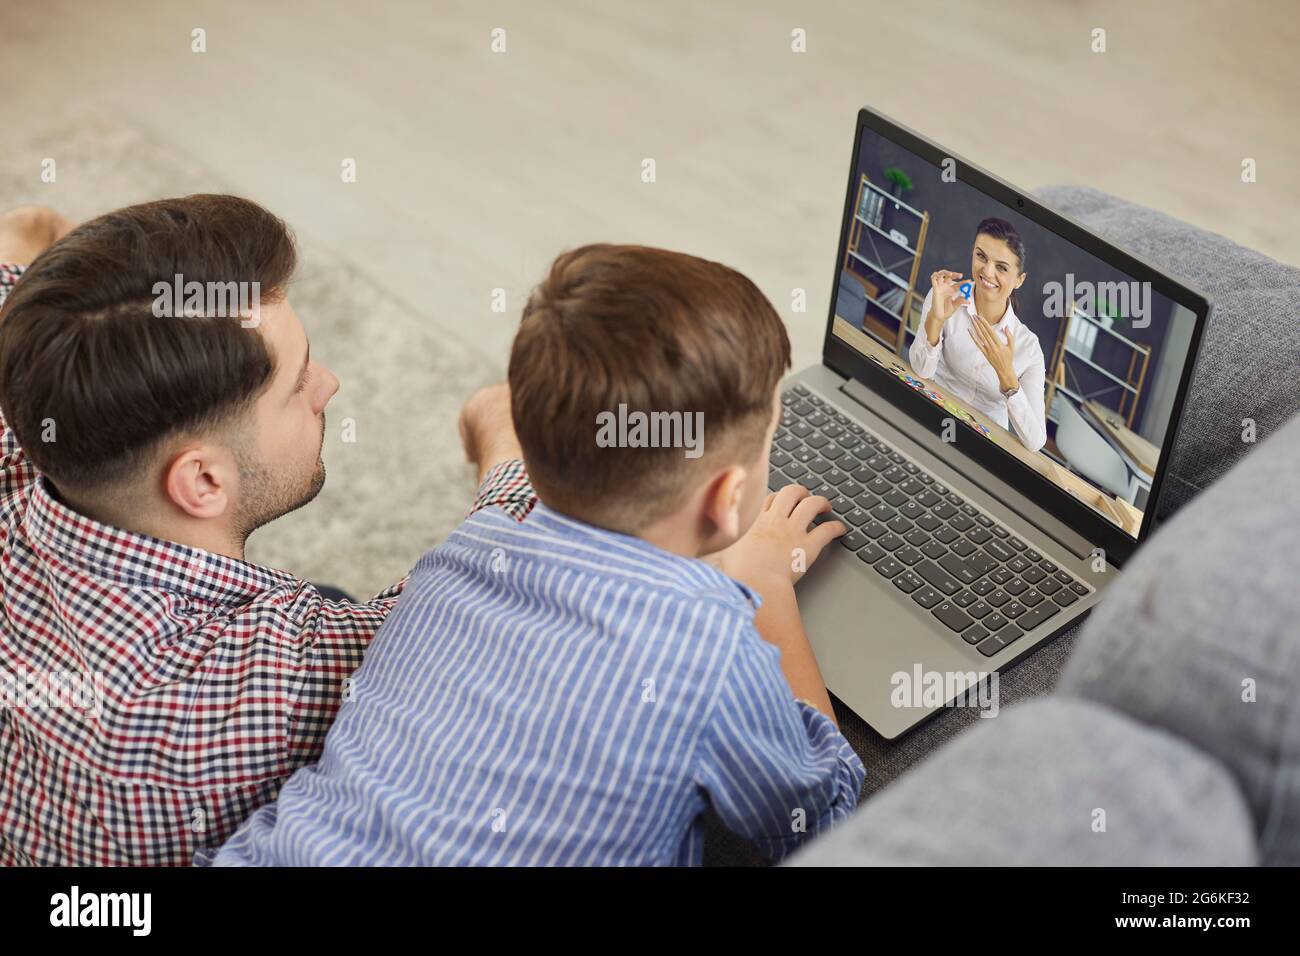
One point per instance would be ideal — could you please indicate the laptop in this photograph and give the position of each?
(992, 493)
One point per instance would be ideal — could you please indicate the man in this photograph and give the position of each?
(155, 687)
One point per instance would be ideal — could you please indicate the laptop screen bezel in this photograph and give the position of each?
(847, 361)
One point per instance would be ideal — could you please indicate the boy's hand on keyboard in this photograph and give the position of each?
(780, 546)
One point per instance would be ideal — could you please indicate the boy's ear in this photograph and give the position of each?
(722, 501)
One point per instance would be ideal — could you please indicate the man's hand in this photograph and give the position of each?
(27, 231)
(779, 547)
(487, 430)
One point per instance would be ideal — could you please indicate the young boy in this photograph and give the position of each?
(579, 687)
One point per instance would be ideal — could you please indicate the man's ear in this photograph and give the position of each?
(722, 501)
(201, 481)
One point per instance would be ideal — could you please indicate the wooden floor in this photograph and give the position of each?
(475, 168)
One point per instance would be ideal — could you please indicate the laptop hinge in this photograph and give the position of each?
(971, 471)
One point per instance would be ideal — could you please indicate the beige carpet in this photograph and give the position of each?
(403, 485)
(475, 168)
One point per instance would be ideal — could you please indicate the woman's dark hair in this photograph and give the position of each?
(1001, 229)
(81, 349)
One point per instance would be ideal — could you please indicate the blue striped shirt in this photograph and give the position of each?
(550, 693)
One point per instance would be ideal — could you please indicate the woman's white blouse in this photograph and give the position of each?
(957, 365)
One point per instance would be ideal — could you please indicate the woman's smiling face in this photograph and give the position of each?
(995, 268)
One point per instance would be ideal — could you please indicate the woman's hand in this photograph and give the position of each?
(779, 547)
(944, 298)
(998, 349)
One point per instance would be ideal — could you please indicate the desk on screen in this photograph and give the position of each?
(1115, 510)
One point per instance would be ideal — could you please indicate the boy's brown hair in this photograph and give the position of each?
(653, 330)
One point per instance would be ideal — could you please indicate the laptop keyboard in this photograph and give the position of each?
(939, 550)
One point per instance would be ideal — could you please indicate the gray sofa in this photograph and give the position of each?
(1177, 714)
(1171, 733)
(1131, 729)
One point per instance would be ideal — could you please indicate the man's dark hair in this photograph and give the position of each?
(658, 331)
(81, 347)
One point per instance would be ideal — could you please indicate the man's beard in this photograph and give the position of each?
(265, 496)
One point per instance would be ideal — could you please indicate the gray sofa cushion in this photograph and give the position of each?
(1024, 788)
(1251, 352)
(1211, 601)
(887, 760)
(1247, 290)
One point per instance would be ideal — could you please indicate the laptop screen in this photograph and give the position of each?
(1023, 338)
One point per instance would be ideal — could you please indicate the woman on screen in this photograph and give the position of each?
(974, 346)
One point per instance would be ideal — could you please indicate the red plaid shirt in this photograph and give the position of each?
(152, 695)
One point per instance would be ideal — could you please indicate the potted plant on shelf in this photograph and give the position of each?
(899, 181)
